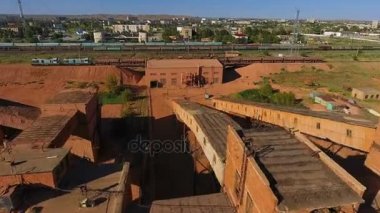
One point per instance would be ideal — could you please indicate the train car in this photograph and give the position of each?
(76, 61)
(45, 62)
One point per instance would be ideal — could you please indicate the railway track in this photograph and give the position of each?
(171, 48)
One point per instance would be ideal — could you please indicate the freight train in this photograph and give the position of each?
(58, 61)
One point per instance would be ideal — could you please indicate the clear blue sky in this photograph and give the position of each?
(325, 9)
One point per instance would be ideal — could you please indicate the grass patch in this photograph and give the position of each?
(341, 79)
(109, 98)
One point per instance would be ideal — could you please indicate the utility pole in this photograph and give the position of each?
(296, 32)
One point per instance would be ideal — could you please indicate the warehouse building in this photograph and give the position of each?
(366, 93)
(183, 73)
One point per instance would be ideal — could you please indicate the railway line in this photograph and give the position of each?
(227, 62)
(162, 47)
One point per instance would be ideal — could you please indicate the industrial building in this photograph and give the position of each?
(270, 170)
(183, 73)
(84, 139)
(264, 168)
(366, 93)
(71, 119)
(38, 166)
(353, 132)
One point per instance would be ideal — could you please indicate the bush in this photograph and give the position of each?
(284, 99)
(127, 95)
(112, 85)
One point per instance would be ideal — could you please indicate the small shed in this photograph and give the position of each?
(366, 93)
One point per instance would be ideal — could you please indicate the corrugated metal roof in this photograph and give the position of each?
(297, 176)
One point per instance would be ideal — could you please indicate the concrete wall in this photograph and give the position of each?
(213, 75)
(216, 161)
(361, 137)
(255, 184)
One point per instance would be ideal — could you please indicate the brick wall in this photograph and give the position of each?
(373, 158)
(256, 185)
(35, 178)
(354, 136)
(175, 77)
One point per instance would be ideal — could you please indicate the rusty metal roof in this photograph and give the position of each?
(299, 179)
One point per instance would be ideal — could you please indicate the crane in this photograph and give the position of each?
(21, 10)
(296, 31)
(21, 14)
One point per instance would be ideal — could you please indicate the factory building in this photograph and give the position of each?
(174, 73)
(366, 93)
(270, 170)
(264, 168)
(351, 132)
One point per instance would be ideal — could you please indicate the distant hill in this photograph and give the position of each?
(97, 16)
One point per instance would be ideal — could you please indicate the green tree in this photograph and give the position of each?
(168, 32)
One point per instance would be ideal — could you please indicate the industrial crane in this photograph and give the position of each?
(296, 32)
(21, 14)
(21, 11)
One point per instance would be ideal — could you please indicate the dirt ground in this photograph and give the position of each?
(34, 85)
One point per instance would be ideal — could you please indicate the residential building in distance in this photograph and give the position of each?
(143, 37)
(133, 28)
(375, 24)
(366, 93)
(186, 32)
(183, 72)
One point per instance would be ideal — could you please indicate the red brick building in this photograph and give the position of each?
(24, 166)
(183, 72)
